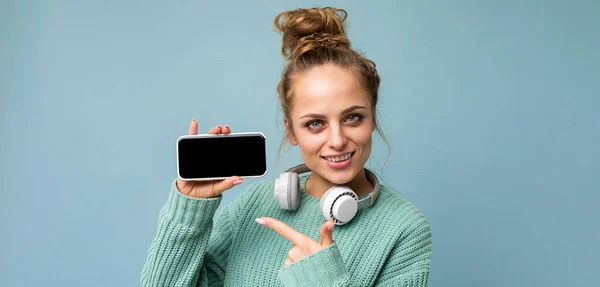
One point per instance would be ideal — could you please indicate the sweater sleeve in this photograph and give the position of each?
(409, 263)
(323, 268)
(187, 251)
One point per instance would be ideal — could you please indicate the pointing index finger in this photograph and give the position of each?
(284, 230)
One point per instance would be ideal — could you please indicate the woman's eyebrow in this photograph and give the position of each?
(318, 116)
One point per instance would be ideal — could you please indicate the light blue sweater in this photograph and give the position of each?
(387, 244)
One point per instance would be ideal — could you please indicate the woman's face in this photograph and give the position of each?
(332, 122)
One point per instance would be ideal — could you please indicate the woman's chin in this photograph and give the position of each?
(340, 177)
(335, 174)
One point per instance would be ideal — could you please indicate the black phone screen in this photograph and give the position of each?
(222, 156)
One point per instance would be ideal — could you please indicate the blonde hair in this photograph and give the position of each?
(316, 37)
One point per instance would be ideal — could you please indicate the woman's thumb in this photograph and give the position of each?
(327, 233)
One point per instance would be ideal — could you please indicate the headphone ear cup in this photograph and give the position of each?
(287, 191)
(339, 203)
(294, 191)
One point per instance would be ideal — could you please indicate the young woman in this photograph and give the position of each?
(328, 94)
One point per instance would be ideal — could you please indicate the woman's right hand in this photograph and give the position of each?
(207, 189)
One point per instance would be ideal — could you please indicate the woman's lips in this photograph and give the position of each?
(339, 164)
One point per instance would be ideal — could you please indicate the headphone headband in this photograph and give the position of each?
(367, 201)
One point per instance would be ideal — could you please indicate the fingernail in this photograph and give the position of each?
(193, 119)
(331, 226)
(237, 182)
(260, 221)
(226, 126)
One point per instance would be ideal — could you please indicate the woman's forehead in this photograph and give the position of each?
(328, 89)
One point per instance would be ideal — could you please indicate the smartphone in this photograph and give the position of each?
(219, 156)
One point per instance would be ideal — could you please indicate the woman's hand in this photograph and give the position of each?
(207, 189)
(303, 245)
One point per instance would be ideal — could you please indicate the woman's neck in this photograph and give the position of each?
(316, 185)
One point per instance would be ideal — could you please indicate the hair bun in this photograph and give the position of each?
(310, 29)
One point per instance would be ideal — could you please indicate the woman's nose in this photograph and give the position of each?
(337, 139)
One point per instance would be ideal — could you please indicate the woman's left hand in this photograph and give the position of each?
(303, 245)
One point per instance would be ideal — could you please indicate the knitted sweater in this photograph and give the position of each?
(386, 244)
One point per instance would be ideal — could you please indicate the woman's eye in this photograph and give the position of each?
(314, 124)
(353, 118)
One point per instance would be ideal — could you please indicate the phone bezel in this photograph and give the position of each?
(246, 134)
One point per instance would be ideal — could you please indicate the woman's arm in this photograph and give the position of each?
(409, 263)
(187, 251)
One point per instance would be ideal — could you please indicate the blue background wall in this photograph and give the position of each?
(491, 108)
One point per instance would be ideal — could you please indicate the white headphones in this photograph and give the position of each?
(339, 202)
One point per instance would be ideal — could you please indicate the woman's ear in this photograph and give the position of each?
(289, 132)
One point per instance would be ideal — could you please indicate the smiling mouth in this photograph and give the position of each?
(339, 158)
